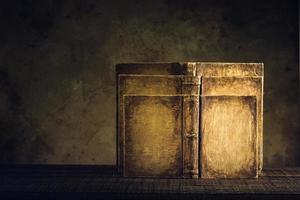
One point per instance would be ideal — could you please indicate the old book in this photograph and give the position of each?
(158, 125)
(228, 137)
(240, 86)
(152, 145)
(221, 69)
(238, 70)
(159, 115)
(190, 116)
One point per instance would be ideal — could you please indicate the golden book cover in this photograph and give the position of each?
(163, 111)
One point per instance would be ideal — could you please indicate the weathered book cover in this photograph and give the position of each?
(240, 86)
(221, 69)
(232, 85)
(159, 116)
(152, 145)
(150, 121)
(228, 137)
(158, 121)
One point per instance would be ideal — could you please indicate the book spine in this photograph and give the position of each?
(190, 91)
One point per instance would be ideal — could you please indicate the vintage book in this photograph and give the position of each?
(152, 136)
(190, 117)
(157, 119)
(228, 137)
(240, 86)
(229, 69)
(159, 116)
(245, 70)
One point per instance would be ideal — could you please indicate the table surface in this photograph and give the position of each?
(97, 182)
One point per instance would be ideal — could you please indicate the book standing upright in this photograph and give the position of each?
(189, 119)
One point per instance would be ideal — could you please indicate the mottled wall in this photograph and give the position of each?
(57, 86)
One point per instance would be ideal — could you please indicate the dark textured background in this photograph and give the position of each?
(57, 86)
